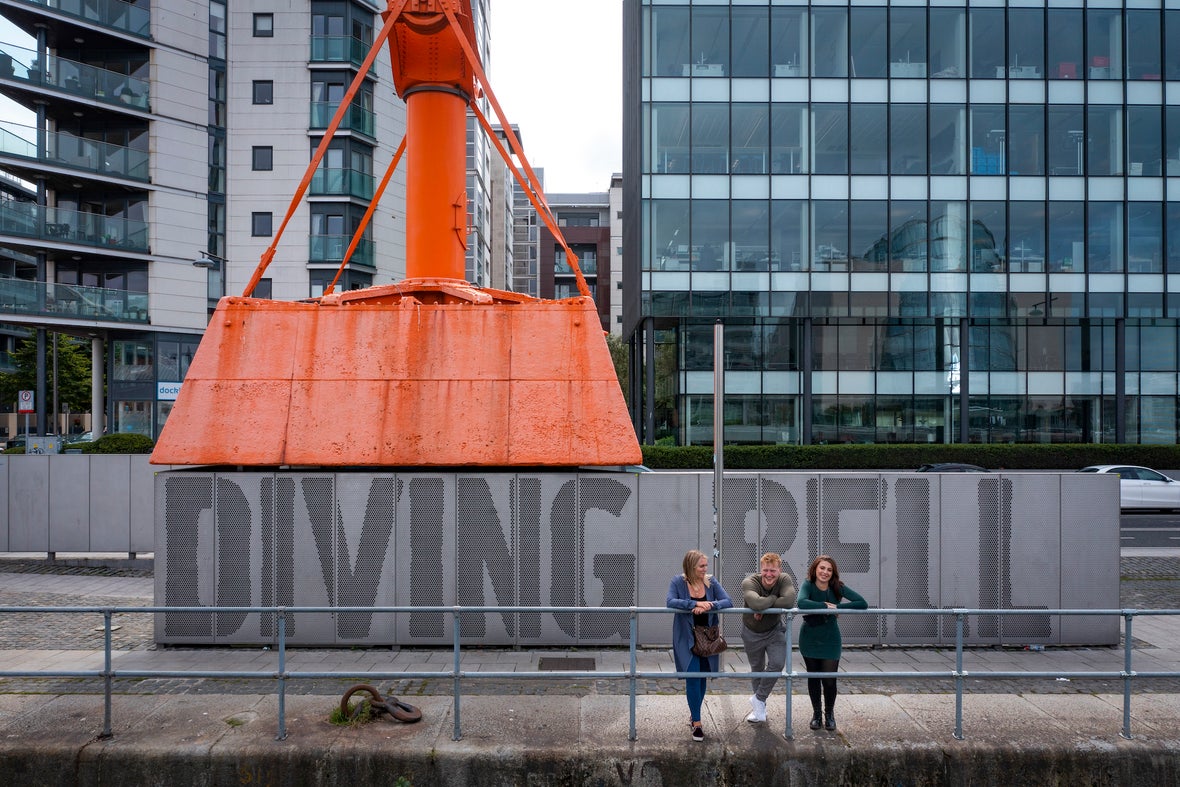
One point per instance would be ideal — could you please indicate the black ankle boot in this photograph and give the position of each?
(816, 721)
(829, 720)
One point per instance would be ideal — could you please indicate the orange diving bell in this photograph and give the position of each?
(432, 371)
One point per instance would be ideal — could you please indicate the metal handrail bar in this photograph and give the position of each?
(281, 675)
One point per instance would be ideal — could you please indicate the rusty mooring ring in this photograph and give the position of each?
(400, 711)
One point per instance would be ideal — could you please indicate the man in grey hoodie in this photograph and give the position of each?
(764, 636)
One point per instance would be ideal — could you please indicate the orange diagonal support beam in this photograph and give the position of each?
(345, 104)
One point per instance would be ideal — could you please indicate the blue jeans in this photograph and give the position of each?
(695, 688)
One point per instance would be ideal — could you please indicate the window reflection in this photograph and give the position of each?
(1104, 43)
(1065, 45)
(829, 44)
(948, 36)
(1026, 44)
(789, 42)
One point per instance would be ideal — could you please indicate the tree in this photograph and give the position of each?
(73, 371)
(618, 355)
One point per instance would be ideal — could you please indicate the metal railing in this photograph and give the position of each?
(71, 301)
(115, 14)
(457, 675)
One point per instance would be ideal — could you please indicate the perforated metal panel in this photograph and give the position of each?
(600, 539)
(671, 520)
(1031, 544)
(315, 522)
(425, 573)
(606, 507)
(850, 532)
(970, 537)
(367, 506)
(908, 556)
(486, 571)
(236, 498)
(739, 538)
(184, 564)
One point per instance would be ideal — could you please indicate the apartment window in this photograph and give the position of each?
(260, 224)
(264, 289)
(263, 158)
(264, 91)
(264, 25)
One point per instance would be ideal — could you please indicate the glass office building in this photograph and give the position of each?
(917, 223)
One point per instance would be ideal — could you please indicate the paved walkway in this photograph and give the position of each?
(74, 642)
(572, 730)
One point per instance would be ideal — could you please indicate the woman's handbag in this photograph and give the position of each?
(707, 641)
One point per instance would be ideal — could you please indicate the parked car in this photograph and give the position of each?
(15, 442)
(84, 437)
(952, 467)
(1142, 487)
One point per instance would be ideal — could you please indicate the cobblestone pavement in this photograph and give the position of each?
(1146, 583)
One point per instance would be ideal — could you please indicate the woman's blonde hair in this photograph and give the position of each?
(691, 558)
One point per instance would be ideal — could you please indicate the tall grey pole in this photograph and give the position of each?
(97, 411)
(718, 437)
(56, 419)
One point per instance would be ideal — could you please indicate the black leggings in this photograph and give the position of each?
(829, 684)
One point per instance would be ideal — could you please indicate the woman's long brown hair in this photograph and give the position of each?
(834, 584)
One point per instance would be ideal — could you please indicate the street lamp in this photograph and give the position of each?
(207, 261)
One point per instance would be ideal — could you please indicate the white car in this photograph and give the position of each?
(1142, 487)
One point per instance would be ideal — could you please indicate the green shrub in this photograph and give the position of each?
(17, 450)
(994, 456)
(121, 443)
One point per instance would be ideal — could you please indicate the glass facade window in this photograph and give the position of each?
(1026, 44)
(790, 42)
(1104, 43)
(912, 183)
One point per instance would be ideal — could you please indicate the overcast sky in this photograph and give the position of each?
(557, 71)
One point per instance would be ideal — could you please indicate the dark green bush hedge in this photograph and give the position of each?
(994, 456)
(122, 443)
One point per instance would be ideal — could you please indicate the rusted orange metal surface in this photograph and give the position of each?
(432, 371)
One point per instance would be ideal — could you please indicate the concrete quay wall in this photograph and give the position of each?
(536, 740)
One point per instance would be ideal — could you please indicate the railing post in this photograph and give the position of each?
(106, 679)
(1127, 674)
(789, 667)
(282, 675)
(959, 675)
(458, 733)
(634, 637)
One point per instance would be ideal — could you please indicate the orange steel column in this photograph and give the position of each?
(436, 184)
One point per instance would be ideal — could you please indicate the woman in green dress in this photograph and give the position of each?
(819, 640)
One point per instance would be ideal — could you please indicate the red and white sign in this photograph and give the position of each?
(27, 403)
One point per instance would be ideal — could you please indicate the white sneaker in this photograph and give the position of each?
(757, 711)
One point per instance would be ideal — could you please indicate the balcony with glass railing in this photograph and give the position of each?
(342, 183)
(73, 78)
(26, 220)
(355, 119)
(69, 150)
(41, 299)
(561, 266)
(339, 49)
(114, 14)
(331, 248)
